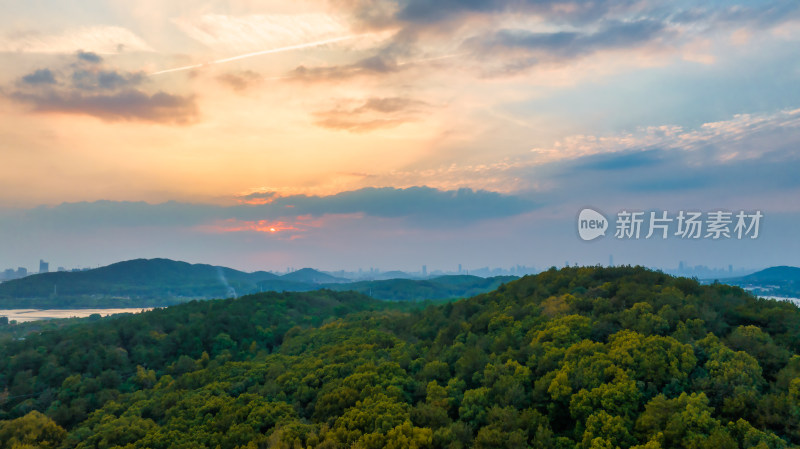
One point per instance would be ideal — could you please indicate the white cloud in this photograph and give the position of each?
(742, 136)
(740, 139)
(256, 32)
(97, 39)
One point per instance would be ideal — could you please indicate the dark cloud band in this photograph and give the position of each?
(419, 206)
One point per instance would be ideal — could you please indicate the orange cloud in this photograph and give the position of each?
(257, 201)
(233, 225)
(257, 198)
(293, 228)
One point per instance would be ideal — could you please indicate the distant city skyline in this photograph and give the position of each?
(371, 273)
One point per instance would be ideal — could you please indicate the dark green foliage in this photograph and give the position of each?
(442, 287)
(69, 372)
(579, 357)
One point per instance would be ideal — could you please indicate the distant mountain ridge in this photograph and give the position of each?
(159, 282)
(313, 276)
(141, 278)
(781, 273)
(781, 281)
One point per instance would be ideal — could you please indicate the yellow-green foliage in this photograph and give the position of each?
(573, 358)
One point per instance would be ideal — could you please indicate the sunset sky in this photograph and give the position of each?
(393, 133)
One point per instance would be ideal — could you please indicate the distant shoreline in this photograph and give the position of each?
(28, 315)
(796, 301)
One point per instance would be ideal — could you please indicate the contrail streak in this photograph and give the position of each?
(257, 53)
(399, 64)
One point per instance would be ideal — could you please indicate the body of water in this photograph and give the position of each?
(783, 298)
(24, 315)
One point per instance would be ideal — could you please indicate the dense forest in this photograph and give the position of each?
(574, 358)
(440, 287)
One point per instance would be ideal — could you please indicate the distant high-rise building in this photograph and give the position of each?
(22, 272)
(424, 270)
(44, 267)
(610, 260)
(681, 266)
(60, 269)
(459, 268)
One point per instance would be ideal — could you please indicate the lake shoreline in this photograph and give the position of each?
(28, 315)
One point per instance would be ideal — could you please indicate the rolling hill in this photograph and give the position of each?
(312, 276)
(773, 274)
(774, 281)
(161, 282)
(140, 279)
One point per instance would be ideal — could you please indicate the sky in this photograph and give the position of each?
(340, 134)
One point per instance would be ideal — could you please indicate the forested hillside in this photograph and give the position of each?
(133, 283)
(164, 282)
(578, 357)
(441, 287)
